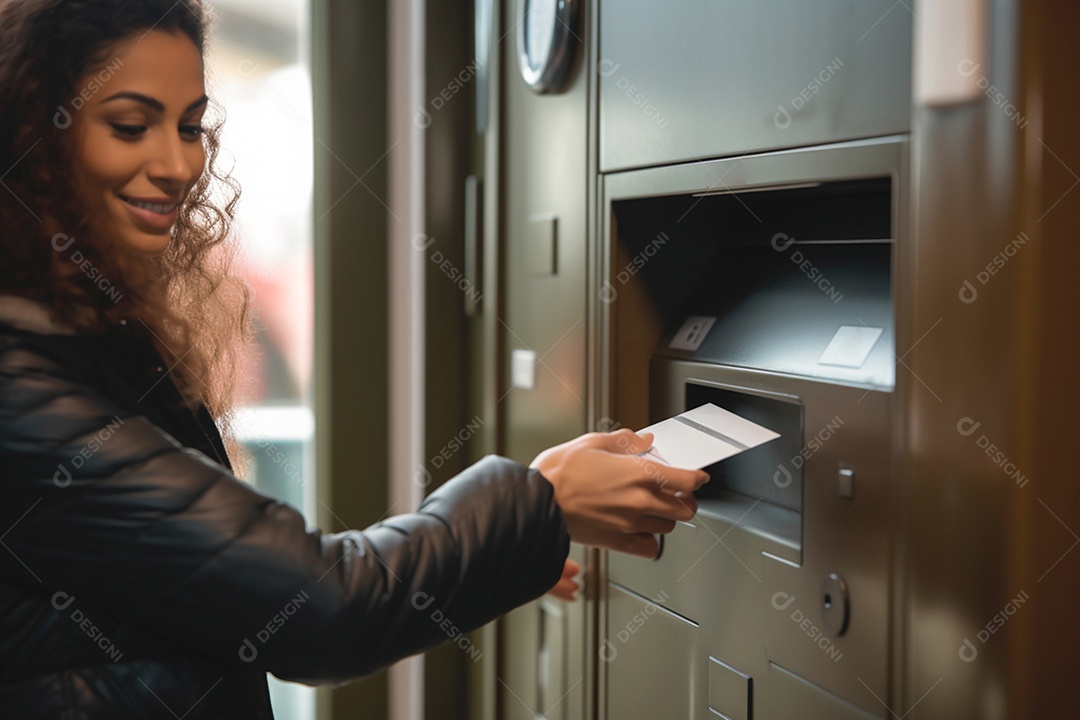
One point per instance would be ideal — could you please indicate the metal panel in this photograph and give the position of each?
(848, 536)
(729, 690)
(543, 202)
(699, 78)
(652, 659)
(794, 697)
(993, 508)
(543, 190)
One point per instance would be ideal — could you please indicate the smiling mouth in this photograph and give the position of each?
(154, 207)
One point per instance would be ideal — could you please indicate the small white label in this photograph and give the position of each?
(523, 369)
(851, 346)
(692, 333)
(950, 53)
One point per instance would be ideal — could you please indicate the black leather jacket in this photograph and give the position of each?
(139, 578)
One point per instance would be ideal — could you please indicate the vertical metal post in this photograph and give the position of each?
(405, 139)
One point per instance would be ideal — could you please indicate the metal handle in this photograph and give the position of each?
(473, 219)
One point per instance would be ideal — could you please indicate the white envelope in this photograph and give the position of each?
(703, 436)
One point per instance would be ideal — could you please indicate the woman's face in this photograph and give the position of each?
(138, 146)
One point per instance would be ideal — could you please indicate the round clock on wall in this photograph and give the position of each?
(546, 39)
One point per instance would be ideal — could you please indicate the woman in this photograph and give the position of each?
(139, 577)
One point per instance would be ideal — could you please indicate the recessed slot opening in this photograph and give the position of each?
(756, 473)
(675, 244)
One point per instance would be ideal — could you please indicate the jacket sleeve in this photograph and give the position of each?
(109, 509)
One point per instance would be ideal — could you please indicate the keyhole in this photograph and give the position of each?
(828, 601)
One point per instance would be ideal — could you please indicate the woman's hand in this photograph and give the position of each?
(614, 498)
(566, 589)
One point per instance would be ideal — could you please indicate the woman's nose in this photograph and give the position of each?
(176, 162)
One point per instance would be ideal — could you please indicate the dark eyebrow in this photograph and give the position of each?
(151, 102)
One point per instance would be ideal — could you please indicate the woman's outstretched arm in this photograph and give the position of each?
(107, 508)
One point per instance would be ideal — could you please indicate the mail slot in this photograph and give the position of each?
(743, 473)
(770, 299)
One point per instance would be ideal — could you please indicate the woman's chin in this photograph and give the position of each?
(149, 244)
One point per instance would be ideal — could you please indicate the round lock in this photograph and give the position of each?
(834, 604)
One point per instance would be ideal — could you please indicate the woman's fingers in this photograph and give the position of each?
(567, 588)
(652, 525)
(625, 442)
(641, 544)
(674, 507)
(672, 479)
(642, 442)
(656, 520)
(613, 495)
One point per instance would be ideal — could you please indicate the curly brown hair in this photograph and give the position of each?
(186, 300)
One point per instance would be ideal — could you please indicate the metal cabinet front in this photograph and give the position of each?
(689, 80)
(785, 570)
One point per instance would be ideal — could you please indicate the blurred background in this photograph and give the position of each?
(259, 70)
